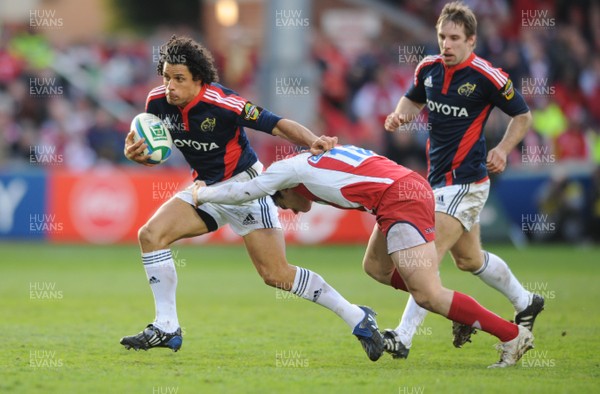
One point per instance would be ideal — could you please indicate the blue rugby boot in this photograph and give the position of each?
(369, 336)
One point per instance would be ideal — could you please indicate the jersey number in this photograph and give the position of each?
(348, 154)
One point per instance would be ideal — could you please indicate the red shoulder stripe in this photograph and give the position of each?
(216, 96)
(154, 94)
(427, 60)
(495, 75)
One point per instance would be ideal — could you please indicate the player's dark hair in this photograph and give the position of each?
(184, 50)
(461, 15)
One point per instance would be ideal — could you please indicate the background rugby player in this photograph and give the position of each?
(460, 89)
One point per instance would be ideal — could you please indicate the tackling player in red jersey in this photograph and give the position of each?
(206, 121)
(401, 252)
(460, 89)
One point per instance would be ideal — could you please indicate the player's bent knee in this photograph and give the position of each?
(374, 269)
(149, 238)
(378, 276)
(143, 234)
(370, 268)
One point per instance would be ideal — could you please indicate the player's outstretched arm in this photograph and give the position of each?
(280, 175)
(515, 132)
(406, 111)
(300, 135)
(134, 151)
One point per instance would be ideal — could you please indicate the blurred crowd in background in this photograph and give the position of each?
(556, 67)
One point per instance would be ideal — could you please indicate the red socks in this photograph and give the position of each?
(466, 310)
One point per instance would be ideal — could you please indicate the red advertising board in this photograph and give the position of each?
(109, 206)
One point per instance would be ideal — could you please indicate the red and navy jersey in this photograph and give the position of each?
(209, 131)
(459, 99)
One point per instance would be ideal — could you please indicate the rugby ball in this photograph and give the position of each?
(156, 135)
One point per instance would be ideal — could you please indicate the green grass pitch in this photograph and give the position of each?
(64, 309)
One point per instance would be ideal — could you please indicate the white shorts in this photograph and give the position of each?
(244, 218)
(464, 202)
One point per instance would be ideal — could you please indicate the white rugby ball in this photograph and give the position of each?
(156, 135)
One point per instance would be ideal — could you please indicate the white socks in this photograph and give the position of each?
(311, 286)
(412, 318)
(495, 273)
(162, 277)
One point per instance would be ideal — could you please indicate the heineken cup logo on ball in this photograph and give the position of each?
(158, 131)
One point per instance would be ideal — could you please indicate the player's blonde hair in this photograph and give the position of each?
(461, 15)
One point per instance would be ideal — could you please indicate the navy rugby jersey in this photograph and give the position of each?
(209, 131)
(459, 100)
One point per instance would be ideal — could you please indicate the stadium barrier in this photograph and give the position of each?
(109, 205)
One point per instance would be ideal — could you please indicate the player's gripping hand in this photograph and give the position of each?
(134, 151)
(195, 187)
(323, 144)
(394, 120)
(496, 161)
